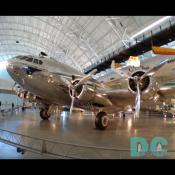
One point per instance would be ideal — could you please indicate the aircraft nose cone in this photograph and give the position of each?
(9, 65)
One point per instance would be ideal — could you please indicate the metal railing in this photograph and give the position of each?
(57, 149)
(60, 149)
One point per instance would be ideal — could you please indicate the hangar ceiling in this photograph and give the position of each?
(75, 40)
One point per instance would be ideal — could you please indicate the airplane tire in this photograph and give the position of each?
(44, 115)
(101, 121)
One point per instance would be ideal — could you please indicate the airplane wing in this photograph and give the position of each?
(68, 77)
(165, 71)
(65, 74)
(167, 91)
(119, 94)
(120, 98)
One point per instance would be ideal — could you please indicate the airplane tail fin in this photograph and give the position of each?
(163, 51)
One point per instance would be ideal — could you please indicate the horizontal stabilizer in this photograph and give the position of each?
(163, 50)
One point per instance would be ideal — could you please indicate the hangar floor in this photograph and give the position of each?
(79, 137)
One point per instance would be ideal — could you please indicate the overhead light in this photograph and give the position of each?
(151, 26)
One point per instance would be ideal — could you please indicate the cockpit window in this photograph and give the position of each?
(18, 57)
(35, 61)
(40, 62)
(29, 59)
(22, 58)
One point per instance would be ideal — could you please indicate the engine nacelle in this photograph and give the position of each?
(83, 92)
(87, 93)
(148, 87)
(145, 83)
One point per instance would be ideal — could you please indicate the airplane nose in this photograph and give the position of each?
(9, 65)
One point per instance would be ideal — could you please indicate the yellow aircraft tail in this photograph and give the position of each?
(163, 51)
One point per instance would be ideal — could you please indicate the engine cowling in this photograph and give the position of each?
(144, 84)
(86, 93)
(83, 92)
(148, 87)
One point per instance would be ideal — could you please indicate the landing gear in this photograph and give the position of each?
(124, 116)
(101, 121)
(44, 114)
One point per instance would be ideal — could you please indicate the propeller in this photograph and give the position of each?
(138, 80)
(155, 68)
(137, 99)
(86, 78)
(73, 86)
(72, 102)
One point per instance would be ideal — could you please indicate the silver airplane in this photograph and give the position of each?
(49, 83)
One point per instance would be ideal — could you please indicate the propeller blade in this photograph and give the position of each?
(73, 87)
(137, 101)
(86, 78)
(154, 69)
(72, 102)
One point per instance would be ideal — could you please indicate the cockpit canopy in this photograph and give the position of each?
(30, 59)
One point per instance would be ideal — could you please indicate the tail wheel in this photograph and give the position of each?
(44, 115)
(101, 121)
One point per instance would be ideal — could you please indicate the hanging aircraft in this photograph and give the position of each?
(49, 83)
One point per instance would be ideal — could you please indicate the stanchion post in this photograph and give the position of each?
(44, 150)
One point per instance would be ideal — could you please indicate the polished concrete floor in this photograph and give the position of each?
(79, 129)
